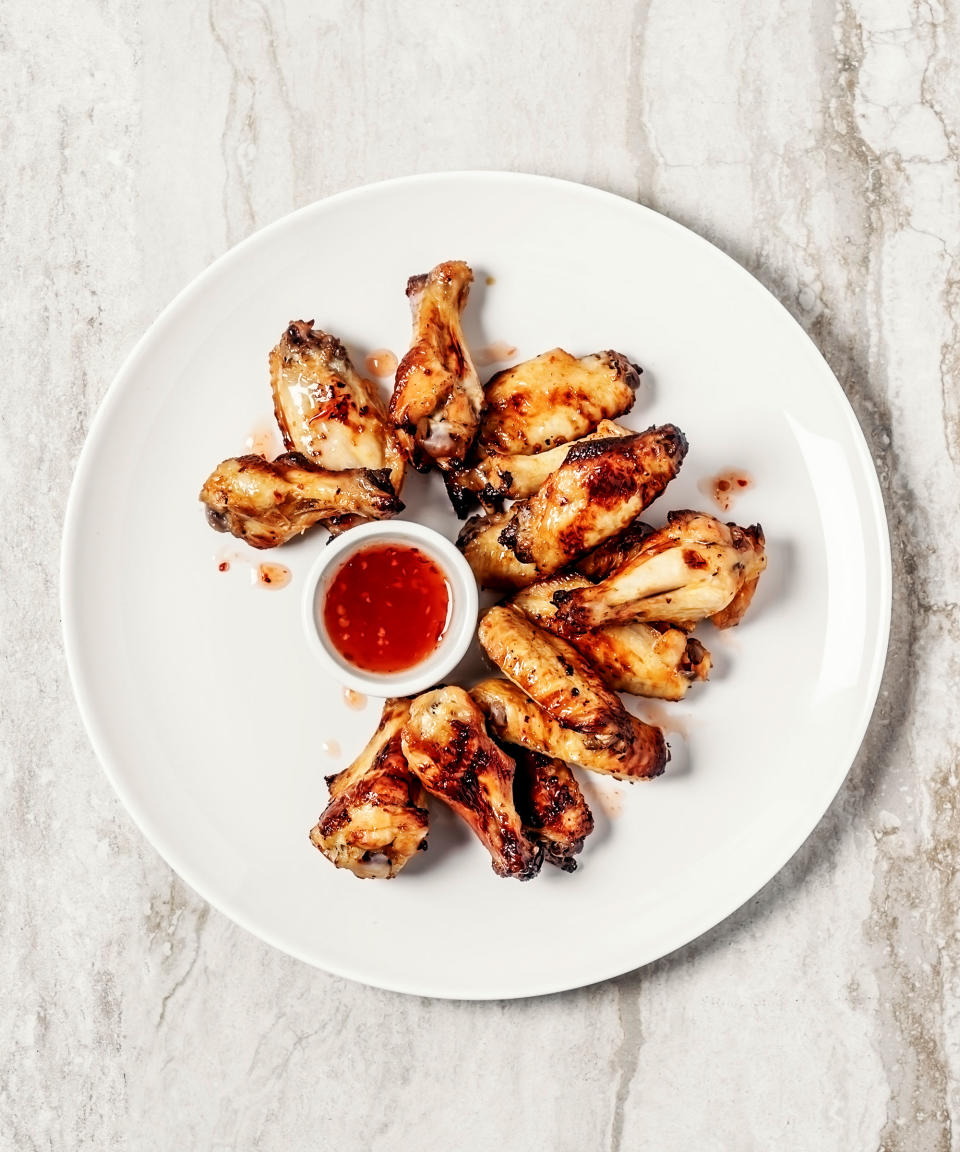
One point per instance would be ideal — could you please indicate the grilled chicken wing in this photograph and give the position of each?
(267, 503)
(515, 719)
(597, 491)
(553, 399)
(694, 568)
(446, 744)
(614, 552)
(494, 565)
(503, 476)
(377, 817)
(557, 677)
(644, 659)
(437, 395)
(551, 806)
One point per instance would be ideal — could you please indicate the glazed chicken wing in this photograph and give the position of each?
(515, 719)
(267, 503)
(446, 744)
(695, 568)
(494, 564)
(437, 395)
(557, 677)
(598, 490)
(553, 399)
(551, 806)
(377, 817)
(643, 659)
(502, 476)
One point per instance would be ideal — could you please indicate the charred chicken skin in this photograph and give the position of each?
(494, 564)
(267, 503)
(446, 743)
(693, 569)
(437, 396)
(643, 659)
(595, 493)
(554, 398)
(515, 719)
(551, 806)
(377, 818)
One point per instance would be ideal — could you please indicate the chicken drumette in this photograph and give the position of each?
(551, 806)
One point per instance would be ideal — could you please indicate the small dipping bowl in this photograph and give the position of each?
(461, 617)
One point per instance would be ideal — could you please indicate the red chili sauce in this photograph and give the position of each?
(387, 607)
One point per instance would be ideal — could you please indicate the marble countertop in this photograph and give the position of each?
(816, 141)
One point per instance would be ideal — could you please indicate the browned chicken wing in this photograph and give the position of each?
(614, 552)
(553, 399)
(695, 568)
(598, 490)
(515, 719)
(643, 659)
(377, 817)
(494, 564)
(446, 744)
(437, 395)
(551, 806)
(267, 503)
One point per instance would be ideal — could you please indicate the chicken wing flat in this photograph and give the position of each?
(614, 552)
(551, 806)
(445, 742)
(267, 503)
(494, 564)
(600, 488)
(643, 659)
(553, 399)
(437, 395)
(556, 676)
(694, 568)
(377, 817)
(515, 719)
(502, 476)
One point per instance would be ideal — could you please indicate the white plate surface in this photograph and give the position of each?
(216, 724)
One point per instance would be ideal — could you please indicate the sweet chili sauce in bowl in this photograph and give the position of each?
(390, 608)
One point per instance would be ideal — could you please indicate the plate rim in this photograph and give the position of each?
(877, 642)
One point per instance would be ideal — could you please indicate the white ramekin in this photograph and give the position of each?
(460, 629)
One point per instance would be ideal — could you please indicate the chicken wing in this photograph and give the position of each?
(445, 742)
(377, 817)
(515, 719)
(598, 490)
(693, 569)
(494, 565)
(551, 806)
(614, 552)
(557, 677)
(437, 395)
(553, 399)
(643, 659)
(267, 503)
(503, 476)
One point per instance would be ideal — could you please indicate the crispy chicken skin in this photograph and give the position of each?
(694, 568)
(598, 490)
(494, 564)
(515, 719)
(437, 395)
(614, 552)
(551, 806)
(446, 743)
(503, 476)
(377, 817)
(556, 676)
(643, 659)
(553, 399)
(267, 503)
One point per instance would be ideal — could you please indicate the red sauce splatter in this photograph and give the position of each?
(723, 487)
(223, 566)
(381, 362)
(386, 608)
(273, 575)
(495, 353)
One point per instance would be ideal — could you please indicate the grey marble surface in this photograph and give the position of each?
(814, 140)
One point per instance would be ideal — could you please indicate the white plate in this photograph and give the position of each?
(212, 718)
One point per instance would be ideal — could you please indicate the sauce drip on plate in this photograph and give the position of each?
(723, 487)
(381, 362)
(387, 608)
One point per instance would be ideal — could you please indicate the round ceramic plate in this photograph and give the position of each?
(216, 724)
